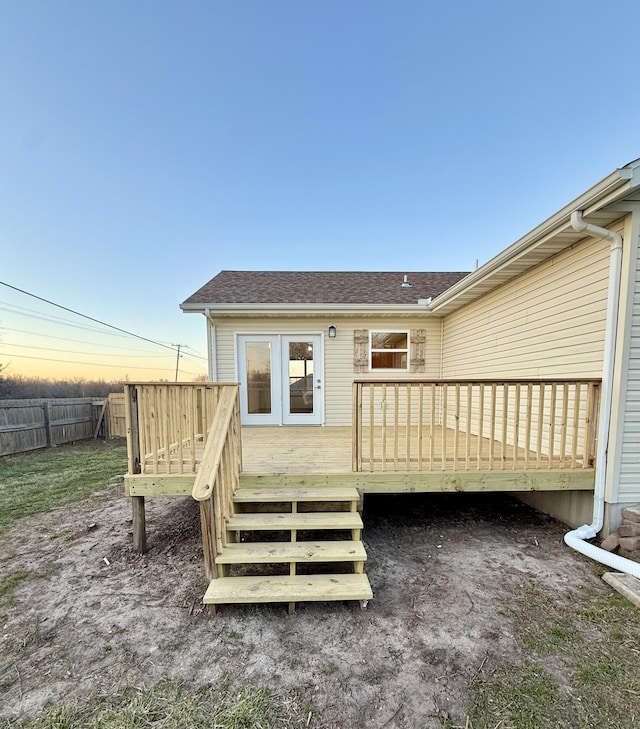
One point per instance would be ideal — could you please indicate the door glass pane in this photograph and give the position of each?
(300, 368)
(258, 357)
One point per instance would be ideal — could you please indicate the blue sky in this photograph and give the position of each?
(146, 145)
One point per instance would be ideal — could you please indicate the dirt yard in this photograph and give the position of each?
(88, 617)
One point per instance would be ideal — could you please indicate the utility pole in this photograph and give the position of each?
(179, 346)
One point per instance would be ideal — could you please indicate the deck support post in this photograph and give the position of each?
(135, 466)
(139, 526)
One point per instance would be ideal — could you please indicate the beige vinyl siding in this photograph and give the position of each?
(547, 420)
(626, 480)
(549, 322)
(338, 352)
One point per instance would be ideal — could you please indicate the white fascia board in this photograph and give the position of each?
(614, 185)
(306, 309)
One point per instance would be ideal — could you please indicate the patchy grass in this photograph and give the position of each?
(521, 699)
(9, 583)
(172, 705)
(35, 482)
(579, 667)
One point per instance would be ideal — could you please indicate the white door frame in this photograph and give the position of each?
(274, 416)
(316, 417)
(280, 394)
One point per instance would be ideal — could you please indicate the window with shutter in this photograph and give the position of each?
(392, 350)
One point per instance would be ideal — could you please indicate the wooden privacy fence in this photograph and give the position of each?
(474, 425)
(40, 423)
(167, 425)
(116, 419)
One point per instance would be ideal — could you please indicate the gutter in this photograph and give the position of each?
(309, 309)
(576, 539)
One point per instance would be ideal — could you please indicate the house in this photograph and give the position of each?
(522, 376)
(262, 325)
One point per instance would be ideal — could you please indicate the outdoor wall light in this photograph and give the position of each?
(332, 331)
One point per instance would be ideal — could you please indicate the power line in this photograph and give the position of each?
(197, 356)
(79, 341)
(84, 316)
(59, 320)
(33, 314)
(94, 364)
(69, 323)
(101, 364)
(73, 351)
(189, 354)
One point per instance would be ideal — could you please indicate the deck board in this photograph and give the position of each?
(328, 450)
(300, 449)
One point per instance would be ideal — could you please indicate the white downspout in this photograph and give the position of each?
(576, 538)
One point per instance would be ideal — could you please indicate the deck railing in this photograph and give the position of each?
(219, 475)
(167, 425)
(474, 425)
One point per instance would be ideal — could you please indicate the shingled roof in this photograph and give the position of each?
(322, 287)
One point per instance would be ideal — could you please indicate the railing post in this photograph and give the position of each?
(356, 428)
(207, 524)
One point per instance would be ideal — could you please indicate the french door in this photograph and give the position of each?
(281, 379)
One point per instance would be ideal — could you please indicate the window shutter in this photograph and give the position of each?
(361, 350)
(418, 347)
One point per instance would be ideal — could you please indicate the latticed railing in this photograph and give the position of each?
(474, 425)
(167, 425)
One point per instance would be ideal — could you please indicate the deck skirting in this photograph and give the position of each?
(384, 483)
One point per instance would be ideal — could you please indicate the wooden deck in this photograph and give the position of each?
(405, 437)
(322, 456)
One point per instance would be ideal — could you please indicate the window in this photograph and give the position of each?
(389, 351)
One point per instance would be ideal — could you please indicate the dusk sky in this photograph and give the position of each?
(147, 145)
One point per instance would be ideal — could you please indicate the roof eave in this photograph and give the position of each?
(302, 309)
(608, 190)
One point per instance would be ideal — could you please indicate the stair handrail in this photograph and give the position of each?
(214, 445)
(219, 475)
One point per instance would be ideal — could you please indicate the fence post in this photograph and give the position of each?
(47, 422)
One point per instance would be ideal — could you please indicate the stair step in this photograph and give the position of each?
(297, 588)
(305, 520)
(275, 494)
(297, 480)
(272, 552)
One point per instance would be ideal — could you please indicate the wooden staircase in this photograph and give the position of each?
(311, 551)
